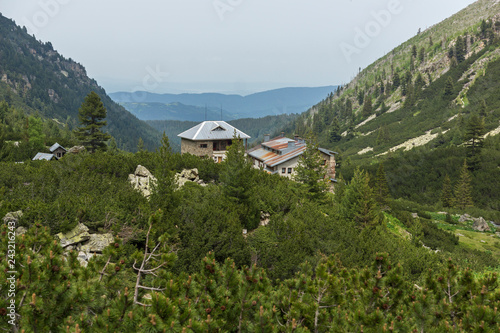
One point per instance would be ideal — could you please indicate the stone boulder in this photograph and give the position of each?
(84, 257)
(75, 150)
(79, 234)
(264, 218)
(97, 243)
(88, 245)
(142, 180)
(186, 175)
(12, 216)
(465, 217)
(191, 175)
(21, 231)
(481, 225)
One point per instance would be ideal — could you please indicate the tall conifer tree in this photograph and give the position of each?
(91, 115)
(382, 192)
(463, 194)
(358, 205)
(367, 106)
(311, 171)
(474, 132)
(447, 193)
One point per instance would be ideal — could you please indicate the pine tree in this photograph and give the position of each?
(91, 115)
(35, 132)
(317, 124)
(165, 150)
(310, 171)
(381, 192)
(140, 145)
(460, 49)
(236, 171)
(383, 135)
(358, 205)
(421, 55)
(414, 51)
(4, 109)
(334, 135)
(367, 107)
(463, 194)
(447, 192)
(112, 146)
(361, 97)
(483, 109)
(396, 81)
(448, 87)
(473, 137)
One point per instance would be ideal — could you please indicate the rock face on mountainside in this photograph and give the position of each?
(142, 180)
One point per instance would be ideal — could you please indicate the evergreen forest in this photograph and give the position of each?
(405, 239)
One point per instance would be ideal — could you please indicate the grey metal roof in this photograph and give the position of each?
(43, 156)
(212, 130)
(55, 146)
(327, 152)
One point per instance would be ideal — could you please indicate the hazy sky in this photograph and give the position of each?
(237, 46)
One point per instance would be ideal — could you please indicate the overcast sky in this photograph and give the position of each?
(238, 46)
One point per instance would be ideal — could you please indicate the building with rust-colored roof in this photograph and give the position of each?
(281, 155)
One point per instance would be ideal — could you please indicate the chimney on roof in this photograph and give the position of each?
(291, 144)
(296, 137)
(282, 134)
(267, 137)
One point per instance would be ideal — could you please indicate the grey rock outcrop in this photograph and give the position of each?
(78, 235)
(465, 217)
(76, 150)
(142, 180)
(264, 218)
(12, 216)
(97, 243)
(188, 175)
(88, 245)
(21, 231)
(481, 225)
(84, 257)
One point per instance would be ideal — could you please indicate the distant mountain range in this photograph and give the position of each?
(191, 107)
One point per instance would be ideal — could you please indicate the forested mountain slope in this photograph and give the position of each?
(35, 78)
(438, 91)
